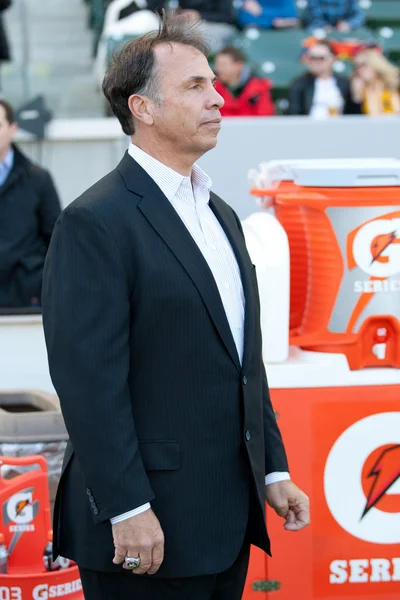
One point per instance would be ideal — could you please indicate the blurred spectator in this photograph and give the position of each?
(4, 48)
(343, 15)
(375, 84)
(267, 14)
(245, 94)
(136, 5)
(29, 209)
(218, 15)
(116, 27)
(321, 93)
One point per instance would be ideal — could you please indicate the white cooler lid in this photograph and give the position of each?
(349, 172)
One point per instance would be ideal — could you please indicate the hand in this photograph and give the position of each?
(343, 26)
(140, 536)
(253, 7)
(357, 86)
(289, 502)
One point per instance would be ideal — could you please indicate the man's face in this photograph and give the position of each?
(7, 132)
(187, 118)
(227, 69)
(320, 60)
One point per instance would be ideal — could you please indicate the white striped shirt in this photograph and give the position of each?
(190, 198)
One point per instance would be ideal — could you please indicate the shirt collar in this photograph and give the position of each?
(168, 180)
(8, 162)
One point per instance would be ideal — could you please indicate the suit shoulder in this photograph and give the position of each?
(301, 80)
(102, 196)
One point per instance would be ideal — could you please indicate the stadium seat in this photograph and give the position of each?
(280, 72)
(364, 34)
(389, 39)
(283, 73)
(263, 45)
(382, 13)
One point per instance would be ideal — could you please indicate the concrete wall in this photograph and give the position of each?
(80, 152)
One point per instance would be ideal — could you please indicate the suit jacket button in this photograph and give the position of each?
(88, 491)
(244, 380)
(247, 435)
(95, 511)
(91, 498)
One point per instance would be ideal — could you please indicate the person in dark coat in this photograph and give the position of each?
(29, 208)
(4, 48)
(218, 20)
(321, 92)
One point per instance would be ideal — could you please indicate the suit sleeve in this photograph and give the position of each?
(295, 98)
(350, 106)
(50, 207)
(275, 453)
(86, 319)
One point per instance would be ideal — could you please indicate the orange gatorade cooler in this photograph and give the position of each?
(342, 218)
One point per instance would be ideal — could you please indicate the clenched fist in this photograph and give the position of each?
(289, 502)
(140, 536)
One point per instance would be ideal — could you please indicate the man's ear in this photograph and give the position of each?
(141, 109)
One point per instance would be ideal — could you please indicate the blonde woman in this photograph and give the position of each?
(375, 84)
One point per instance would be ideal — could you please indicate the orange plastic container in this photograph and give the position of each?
(335, 438)
(25, 524)
(342, 219)
(42, 586)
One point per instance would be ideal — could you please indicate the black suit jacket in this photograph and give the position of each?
(155, 400)
(301, 94)
(29, 208)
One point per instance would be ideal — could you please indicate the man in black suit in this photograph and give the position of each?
(151, 317)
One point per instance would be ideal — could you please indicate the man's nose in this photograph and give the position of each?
(215, 99)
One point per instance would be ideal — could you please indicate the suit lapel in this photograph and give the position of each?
(166, 222)
(229, 224)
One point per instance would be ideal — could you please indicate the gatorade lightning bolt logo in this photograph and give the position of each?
(379, 245)
(386, 472)
(374, 247)
(19, 512)
(20, 507)
(366, 459)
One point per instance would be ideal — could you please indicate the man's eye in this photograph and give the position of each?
(197, 87)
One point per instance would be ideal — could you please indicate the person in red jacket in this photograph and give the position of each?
(245, 94)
